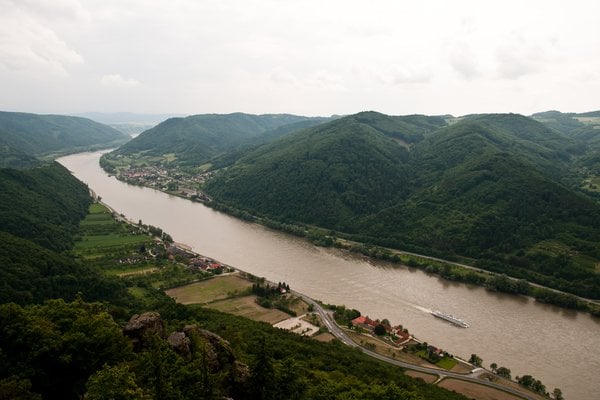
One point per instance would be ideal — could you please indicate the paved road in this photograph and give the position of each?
(339, 333)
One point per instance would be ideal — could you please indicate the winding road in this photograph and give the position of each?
(340, 334)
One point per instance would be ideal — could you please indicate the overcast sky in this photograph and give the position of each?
(303, 57)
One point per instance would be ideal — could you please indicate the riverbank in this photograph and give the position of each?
(446, 269)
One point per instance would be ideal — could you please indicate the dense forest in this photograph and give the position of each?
(47, 135)
(493, 187)
(69, 331)
(196, 139)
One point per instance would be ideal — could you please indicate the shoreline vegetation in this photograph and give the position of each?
(409, 348)
(444, 268)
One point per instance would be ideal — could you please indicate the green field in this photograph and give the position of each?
(100, 235)
(445, 362)
(217, 288)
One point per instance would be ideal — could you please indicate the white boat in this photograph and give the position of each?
(450, 318)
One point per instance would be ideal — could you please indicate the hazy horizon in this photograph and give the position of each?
(305, 58)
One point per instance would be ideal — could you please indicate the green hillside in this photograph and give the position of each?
(194, 140)
(12, 158)
(585, 128)
(50, 205)
(571, 124)
(47, 135)
(328, 175)
(40, 211)
(486, 187)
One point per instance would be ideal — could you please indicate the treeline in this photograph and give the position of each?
(499, 282)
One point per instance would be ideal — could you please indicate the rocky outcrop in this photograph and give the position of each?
(141, 325)
(181, 344)
(218, 350)
(191, 343)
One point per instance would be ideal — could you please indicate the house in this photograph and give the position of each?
(400, 333)
(365, 323)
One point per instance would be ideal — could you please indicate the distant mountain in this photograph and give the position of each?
(584, 127)
(196, 139)
(128, 118)
(524, 137)
(595, 114)
(571, 124)
(45, 135)
(487, 187)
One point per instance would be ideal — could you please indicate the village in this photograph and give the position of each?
(170, 180)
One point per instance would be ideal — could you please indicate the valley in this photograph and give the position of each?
(374, 287)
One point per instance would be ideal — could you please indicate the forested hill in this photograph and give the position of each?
(47, 135)
(486, 187)
(42, 204)
(194, 140)
(40, 211)
(13, 158)
(585, 126)
(327, 175)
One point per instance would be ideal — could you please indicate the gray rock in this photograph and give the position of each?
(181, 344)
(139, 326)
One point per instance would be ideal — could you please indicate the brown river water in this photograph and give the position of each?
(557, 346)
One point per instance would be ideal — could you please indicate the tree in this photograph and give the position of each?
(557, 394)
(475, 360)
(493, 367)
(115, 383)
(15, 388)
(262, 378)
(379, 330)
(158, 368)
(503, 372)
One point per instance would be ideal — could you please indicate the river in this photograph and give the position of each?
(559, 347)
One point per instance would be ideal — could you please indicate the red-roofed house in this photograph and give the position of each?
(365, 323)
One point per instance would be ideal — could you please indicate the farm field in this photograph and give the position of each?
(217, 288)
(102, 235)
(247, 307)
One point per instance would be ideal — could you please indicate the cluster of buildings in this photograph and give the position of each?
(172, 180)
(397, 334)
(195, 261)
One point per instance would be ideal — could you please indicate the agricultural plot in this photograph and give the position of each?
(247, 307)
(103, 237)
(210, 290)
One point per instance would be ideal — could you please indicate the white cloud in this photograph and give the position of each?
(116, 80)
(400, 76)
(27, 43)
(281, 76)
(520, 58)
(464, 62)
(309, 57)
(51, 9)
